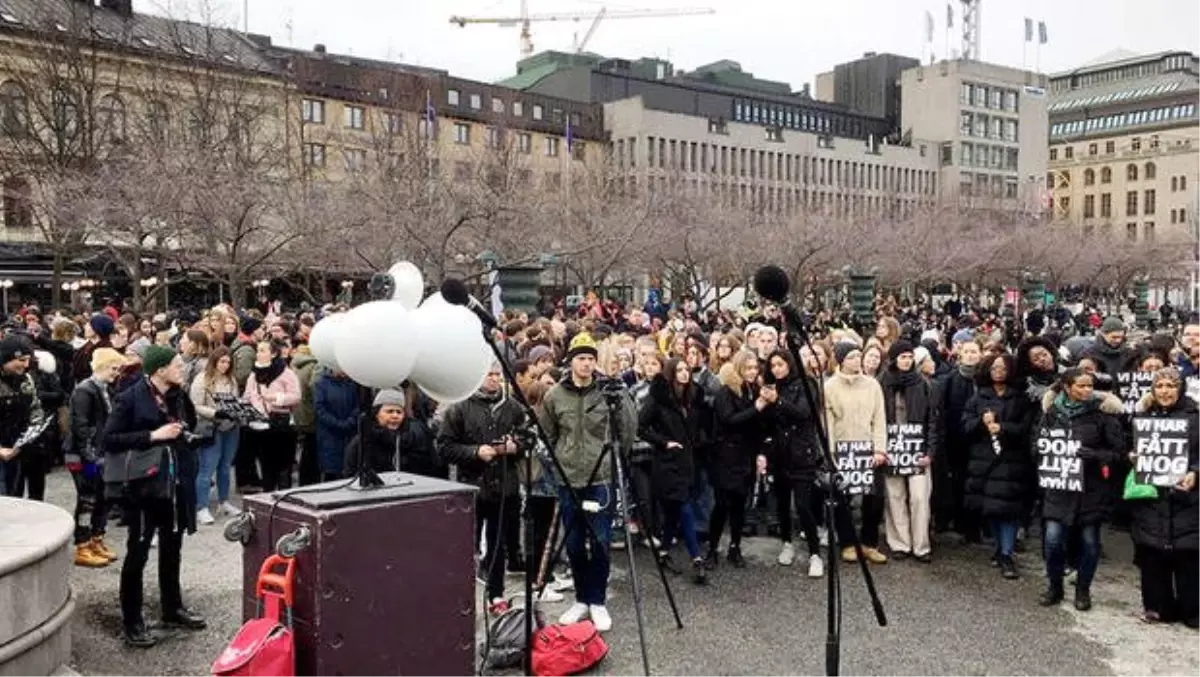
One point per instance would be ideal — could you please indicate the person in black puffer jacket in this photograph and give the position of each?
(795, 458)
(1109, 351)
(19, 406)
(1000, 484)
(385, 443)
(1166, 530)
(956, 389)
(477, 437)
(674, 419)
(1037, 367)
(1092, 420)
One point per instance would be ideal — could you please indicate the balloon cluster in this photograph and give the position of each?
(432, 343)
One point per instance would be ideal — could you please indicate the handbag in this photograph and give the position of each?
(1138, 492)
(146, 473)
(567, 649)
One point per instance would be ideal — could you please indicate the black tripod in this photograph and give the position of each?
(533, 434)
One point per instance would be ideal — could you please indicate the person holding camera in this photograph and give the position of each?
(477, 436)
(575, 416)
(150, 467)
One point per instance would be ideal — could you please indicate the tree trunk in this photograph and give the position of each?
(237, 290)
(56, 278)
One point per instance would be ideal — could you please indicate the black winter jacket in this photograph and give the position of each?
(739, 431)
(89, 409)
(18, 402)
(1172, 521)
(478, 420)
(795, 452)
(921, 401)
(1098, 426)
(663, 420)
(389, 450)
(999, 485)
(955, 391)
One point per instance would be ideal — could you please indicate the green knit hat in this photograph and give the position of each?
(155, 358)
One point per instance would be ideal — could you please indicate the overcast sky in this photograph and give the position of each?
(788, 40)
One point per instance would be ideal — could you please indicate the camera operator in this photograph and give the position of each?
(576, 420)
(477, 435)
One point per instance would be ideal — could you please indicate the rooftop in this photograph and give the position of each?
(1121, 92)
(1116, 58)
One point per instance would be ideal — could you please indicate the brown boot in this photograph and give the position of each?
(103, 550)
(849, 555)
(86, 556)
(874, 556)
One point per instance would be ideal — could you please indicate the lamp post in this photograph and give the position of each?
(6, 285)
(260, 286)
(347, 294)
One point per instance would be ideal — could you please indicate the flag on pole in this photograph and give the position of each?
(570, 137)
(1041, 32)
(1028, 29)
(430, 116)
(949, 15)
(928, 26)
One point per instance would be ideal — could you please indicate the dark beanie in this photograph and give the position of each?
(155, 358)
(1112, 323)
(102, 324)
(250, 325)
(843, 349)
(699, 340)
(899, 348)
(14, 347)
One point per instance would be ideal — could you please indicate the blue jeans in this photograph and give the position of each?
(216, 457)
(1005, 533)
(1054, 548)
(701, 498)
(589, 565)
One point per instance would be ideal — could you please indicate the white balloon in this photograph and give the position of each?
(434, 299)
(409, 283)
(452, 358)
(376, 345)
(324, 338)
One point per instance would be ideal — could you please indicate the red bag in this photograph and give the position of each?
(567, 649)
(265, 645)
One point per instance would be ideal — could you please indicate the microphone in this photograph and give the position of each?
(455, 293)
(381, 287)
(772, 283)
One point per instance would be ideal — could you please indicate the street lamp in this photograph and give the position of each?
(6, 285)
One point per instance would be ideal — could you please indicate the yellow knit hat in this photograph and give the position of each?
(582, 344)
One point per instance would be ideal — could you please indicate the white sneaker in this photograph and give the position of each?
(787, 555)
(577, 612)
(154, 541)
(562, 584)
(600, 618)
(550, 595)
(230, 510)
(816, 568)
(823, 535)
(203, 516)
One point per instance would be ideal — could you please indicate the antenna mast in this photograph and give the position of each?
(971, 23)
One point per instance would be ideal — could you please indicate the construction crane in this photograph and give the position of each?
(525, 19)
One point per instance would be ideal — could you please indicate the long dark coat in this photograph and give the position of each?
(663, 419)
(1172, 521)
(739, 429)
(1099, 428)
(999, 485)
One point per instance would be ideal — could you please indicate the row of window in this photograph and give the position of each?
(1131, 173)
(783, 199)
(1114, 97)
(1110, 147)
(312, 111)
(692, 156)
(985, 96)
(496, 138)
(1131, 231)
(801, 119)
(537, 112)
(994, 157)
(1149, 204)
(984, 185)
(1179, 215)
(1118, 120)
(987, 126)
(1130, 72)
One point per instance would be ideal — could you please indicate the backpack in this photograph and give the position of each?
(567, 649)
(506, 647)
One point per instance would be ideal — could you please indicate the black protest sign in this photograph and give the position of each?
(856, 465)
(1059, 464)
(1132, 386)
(1161, 445)
(906, 448)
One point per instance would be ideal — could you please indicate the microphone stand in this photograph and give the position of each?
(835, 498)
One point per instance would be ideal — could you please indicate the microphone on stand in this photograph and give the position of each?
(772, 283)
(455, 293)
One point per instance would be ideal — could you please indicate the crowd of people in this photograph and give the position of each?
(718, 423)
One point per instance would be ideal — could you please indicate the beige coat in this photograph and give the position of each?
(854, 411)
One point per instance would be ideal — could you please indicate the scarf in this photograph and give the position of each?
(1067, 408)
(266, 375)
(967, 371)
(894, 380)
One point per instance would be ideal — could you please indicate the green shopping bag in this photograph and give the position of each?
(1138, 492)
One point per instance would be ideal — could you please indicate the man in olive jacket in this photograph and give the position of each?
(575, 416)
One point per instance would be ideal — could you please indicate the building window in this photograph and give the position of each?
(537, 111)
(1151, 172)
(392, 123)
(1148, 231)
(1131, 173)
(452, 97)
(964, 123)
(313, 111)
(355, 158)
(1105, 205)
(1148, 203)
(476, 101)
(1110, 147)
(14, 110)
(774, 134)
(18, 208)
(314, 154)
(353, 117)
(1089, 177)
(1053, 154)
(495, 138)
(1010, 102)
(110, 118)
(578, 150)
(462, 133)
(1105, 175)
(964, 94)
(1183, 183)
(1093, 149)
(158, 120)
(1174, 183)
(524, 142)
(1135, 144)
(1131, 232)
(1131, 203)
(717, 126)
(1089, 206)
(1068, 152)
(518, 109)
(497, 105)
(551, 146)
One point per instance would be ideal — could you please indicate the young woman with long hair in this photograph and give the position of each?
(217, 456)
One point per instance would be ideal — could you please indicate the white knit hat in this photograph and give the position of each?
(920, 354)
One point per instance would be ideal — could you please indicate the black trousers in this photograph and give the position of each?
(872, 514)
(309, 470)
(90, 503)
(542, 510)
(1170, 583)
(27, 472)
(144, 519)
(275, 449)
(245, 461)
(496, 525)
(731, 506)
(802, 491)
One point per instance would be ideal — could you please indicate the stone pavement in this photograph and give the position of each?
(955, 616)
